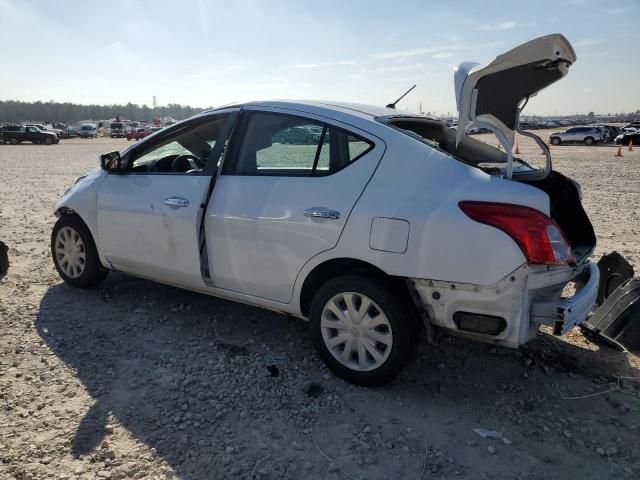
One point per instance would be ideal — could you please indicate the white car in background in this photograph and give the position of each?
(370, 223)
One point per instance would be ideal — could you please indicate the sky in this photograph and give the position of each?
(209, 53)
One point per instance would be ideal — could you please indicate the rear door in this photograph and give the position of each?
(286, 190)
(148, 215)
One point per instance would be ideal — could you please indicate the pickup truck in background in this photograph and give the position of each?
(15, 134)
(119, 129)
(44, 128)
(138, 134)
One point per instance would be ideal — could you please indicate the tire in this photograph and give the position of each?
(48, 141)
(396, 330)
(1, 141)
(589, 141)
(556, 141)
(14, 141)
(71, 238)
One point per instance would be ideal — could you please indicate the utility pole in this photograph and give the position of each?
(155, 101)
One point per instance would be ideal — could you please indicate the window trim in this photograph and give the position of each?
(151, 141)
(239, 133)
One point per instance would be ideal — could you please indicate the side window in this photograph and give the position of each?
(184, 151)
(286, 145)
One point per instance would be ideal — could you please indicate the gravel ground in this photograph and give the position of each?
(140, 380)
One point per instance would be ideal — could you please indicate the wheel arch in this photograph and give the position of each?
(335, 267)
(64, 210)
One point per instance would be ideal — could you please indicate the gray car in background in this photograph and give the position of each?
(586, 135)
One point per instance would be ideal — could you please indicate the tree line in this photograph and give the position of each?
(56, 112)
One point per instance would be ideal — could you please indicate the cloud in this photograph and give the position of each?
(408, 53)
(495, 27)
(574, 2)
(443, 55)
(296, 66)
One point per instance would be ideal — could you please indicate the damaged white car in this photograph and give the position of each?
(368, 222)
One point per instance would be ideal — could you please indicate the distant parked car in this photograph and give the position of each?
(586, 135)
(88, 130)
(16, 134)
(628, 137)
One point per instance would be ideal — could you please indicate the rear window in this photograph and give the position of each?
(470, 151)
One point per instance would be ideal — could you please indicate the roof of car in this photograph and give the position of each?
(356, 109)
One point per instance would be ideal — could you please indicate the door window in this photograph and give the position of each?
(286, 145)
(186, 150)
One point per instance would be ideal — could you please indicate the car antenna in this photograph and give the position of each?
(393, 105)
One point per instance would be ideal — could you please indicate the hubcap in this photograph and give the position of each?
(70, 252)
(356, 331)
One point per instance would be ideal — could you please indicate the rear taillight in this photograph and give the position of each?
(537, 235)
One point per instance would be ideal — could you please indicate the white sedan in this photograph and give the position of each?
(370, 223)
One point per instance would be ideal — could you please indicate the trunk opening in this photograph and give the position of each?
(567, 211)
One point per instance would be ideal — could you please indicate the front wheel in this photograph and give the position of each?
(362, 330)
(74, 253)
(588, 141)
(555, 141)
(48, 141)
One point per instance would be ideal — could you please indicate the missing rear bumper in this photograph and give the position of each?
(565, 313)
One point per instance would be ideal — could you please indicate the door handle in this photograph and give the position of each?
(322, 212)
(176, 202)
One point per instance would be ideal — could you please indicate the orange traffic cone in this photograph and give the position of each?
(619, 154)
(517, 149)
(631, 145)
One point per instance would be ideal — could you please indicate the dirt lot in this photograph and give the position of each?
(139, 380)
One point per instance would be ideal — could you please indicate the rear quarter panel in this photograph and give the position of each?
(423, 186)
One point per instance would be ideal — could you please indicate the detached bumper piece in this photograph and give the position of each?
(618, 317)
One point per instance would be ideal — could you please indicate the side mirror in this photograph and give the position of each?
(111, 162)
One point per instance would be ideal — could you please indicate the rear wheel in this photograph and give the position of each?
(556, 141)
(74, 253)
(14, 141)
(361, 329)
(588, 141)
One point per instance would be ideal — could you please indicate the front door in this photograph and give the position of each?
(284, 195)
(148, 215)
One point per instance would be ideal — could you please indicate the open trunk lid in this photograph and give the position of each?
(491, 96)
